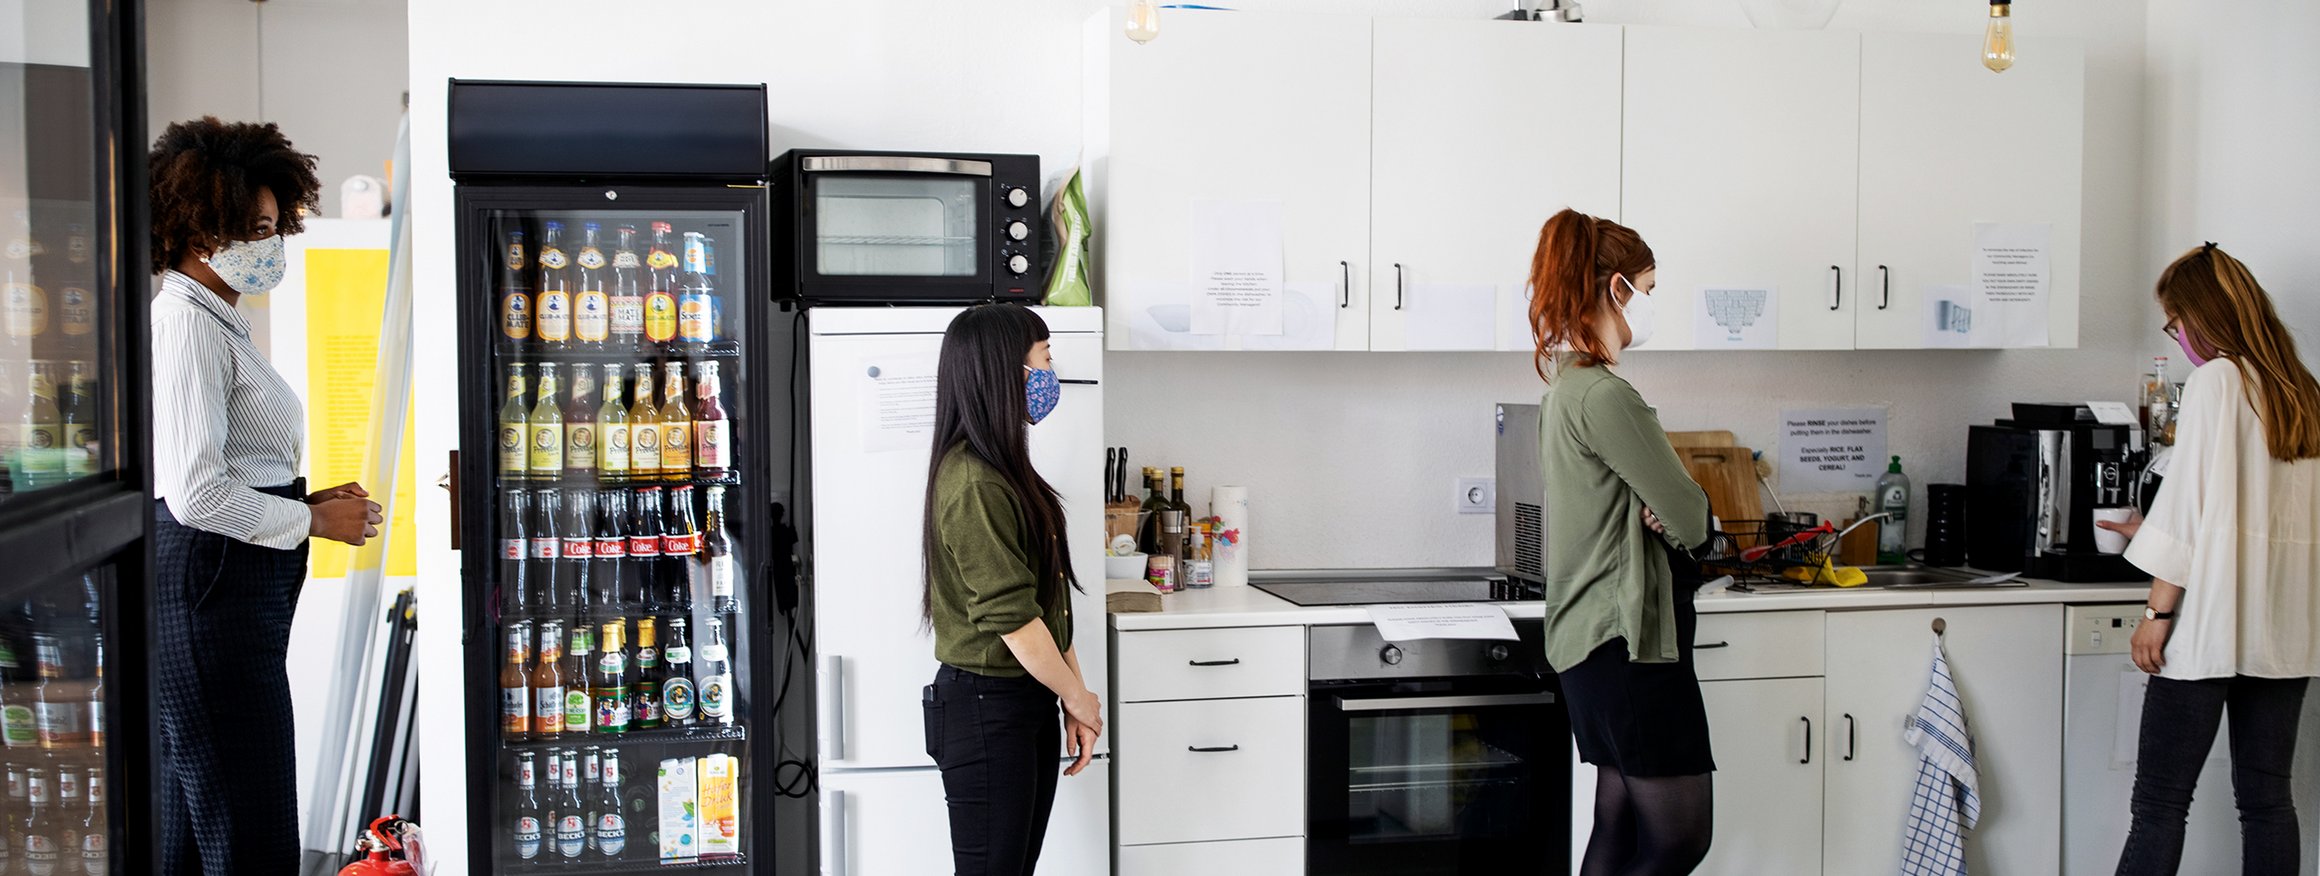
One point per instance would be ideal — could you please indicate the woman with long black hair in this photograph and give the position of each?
(998, 595)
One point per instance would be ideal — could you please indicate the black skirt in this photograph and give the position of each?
(1643, 719)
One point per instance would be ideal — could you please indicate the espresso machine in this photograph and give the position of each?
(2033, 484)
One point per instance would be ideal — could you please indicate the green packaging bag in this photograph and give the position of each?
(1067, 283)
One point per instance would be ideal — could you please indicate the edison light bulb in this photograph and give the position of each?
(1144, 21)
(1998, 41)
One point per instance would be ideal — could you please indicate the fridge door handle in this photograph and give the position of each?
(834, 681)
(837, 850)
(451, 482)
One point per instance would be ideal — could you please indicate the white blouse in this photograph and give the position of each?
(2239, 531)
(223, 421)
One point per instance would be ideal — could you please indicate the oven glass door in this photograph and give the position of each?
(1431, 778)
(904, 226)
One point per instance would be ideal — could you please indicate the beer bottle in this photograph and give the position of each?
(57, 707)
(515, 295)
(571, 814)
(42, 843)
(676, 426)
(677, 694)
(515, 429)
(717, 555)
(579, 536)
(551, 809)
(647, 715)
(39, 461)
(644, 429)
(16, 810)
(680, 540)
(95, 841)
(19, 729)
(712, 436)
(697, 298)
(97, 703)
(552, 304)
(591, 769)
(627, 293)
(644, 547)
(579, 705)
(515, 592)
(548, 683)
(547, 551)
(581, 451)
(611, 682)
(526, 809)
(80, 424)
(611, 551)
(515, 691)
(592, 302)
(611, 834)
(547, 459)
(68, 820)
(612, 458)
(716, 678)
(660, 296)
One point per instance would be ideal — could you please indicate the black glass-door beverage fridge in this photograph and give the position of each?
(612, 480)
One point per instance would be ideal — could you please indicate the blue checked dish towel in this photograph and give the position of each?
(1947, 800)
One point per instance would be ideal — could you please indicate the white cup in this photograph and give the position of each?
(2106, 541)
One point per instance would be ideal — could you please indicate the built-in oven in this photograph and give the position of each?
(1436, 756)
(907, 228)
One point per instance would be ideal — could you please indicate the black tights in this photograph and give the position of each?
(1649, 826)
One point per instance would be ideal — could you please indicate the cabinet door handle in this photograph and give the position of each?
(1209, 749)
(837, 821)
(1232, 662)
(1851, 742)
(1709, 645)
(1397, 285)
(1885, 281)
(1345, 292)
(1807, 739)
(834, 681)
(1838, 301)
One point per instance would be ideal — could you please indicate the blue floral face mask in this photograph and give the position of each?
(1041, 392)
(251, 267)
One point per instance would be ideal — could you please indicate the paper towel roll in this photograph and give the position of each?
(1231, 507)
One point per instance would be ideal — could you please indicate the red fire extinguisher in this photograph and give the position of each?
(386, 855)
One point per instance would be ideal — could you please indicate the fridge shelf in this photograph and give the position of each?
(728, 479)
(725, 349)
(612, 867)
(660, 737)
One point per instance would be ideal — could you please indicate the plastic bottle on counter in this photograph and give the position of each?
(1893, 500)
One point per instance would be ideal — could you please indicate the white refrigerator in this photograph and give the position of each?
(868, 392)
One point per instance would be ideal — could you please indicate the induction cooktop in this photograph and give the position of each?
(1361, 592)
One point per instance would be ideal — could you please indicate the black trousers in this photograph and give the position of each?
(2179, 726)
(999, 743)
(227, 788)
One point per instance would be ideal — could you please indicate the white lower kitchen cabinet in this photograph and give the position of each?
(896, 823)
(1202, 770)
(1769, 740)
(1261, 857)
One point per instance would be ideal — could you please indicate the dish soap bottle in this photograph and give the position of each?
(1893, 499)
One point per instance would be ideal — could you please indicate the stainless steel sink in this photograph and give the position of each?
(1926, 576)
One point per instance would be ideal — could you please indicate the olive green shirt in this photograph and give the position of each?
(984, 578)
(1604, 458)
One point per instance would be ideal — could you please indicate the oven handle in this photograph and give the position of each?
(895, 164)
(1390, 704)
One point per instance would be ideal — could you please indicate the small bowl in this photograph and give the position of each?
(1130, 567)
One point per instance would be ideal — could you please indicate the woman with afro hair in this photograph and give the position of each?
(231, 516)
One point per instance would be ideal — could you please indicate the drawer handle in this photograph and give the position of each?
(1807, 739)
(1208, 749)
(1233, 662)
(1711, 645)
(1851, 742)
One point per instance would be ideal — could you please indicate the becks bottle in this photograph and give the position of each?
(525, 810)
(571, 813)
(611, 834)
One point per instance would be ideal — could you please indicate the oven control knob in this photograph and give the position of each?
(1018, 264)
(1018, 230)
(1391, 655)
(1499, 653)
(1017, 197)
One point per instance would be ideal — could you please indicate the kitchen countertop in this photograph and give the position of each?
(1250, 607)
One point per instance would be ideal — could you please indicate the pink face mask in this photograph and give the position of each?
(2183, 339)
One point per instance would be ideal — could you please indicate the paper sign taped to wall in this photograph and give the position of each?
(1236, 267)
(898, 408)
(1831, 450)
(1441, 620)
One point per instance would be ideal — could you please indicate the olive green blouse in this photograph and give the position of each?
(1604, 458)
(984, 579)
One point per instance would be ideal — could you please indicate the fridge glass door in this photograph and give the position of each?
(619, 598)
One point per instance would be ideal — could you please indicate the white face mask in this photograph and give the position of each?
(251, 267)
(1641, 315)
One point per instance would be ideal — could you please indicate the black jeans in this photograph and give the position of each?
(999, 743)
(2179, 726)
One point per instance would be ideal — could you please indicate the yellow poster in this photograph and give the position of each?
(345, 294)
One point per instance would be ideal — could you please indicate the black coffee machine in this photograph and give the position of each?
(2033, 483)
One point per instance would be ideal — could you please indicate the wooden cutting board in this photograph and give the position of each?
(1729, 476)
(1716, 438)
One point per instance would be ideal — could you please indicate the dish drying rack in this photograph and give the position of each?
(1755, 555)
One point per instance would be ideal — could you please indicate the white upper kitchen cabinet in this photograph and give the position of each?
(1741, 159)
(2007, 662)
(1246, 107)
(1480, 130)
(1946, 144)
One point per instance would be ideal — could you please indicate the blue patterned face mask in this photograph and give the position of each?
(1041, 392)
(251, 267)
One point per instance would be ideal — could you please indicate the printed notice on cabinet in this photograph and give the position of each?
(2013, 273)
(1441, 620)
(1737, 319)
(1831, 450)
(898, 403)
(1236, 267)
(1949, 317)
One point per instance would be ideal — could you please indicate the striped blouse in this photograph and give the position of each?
(223, 421)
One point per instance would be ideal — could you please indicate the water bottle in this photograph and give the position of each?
(1893, 500)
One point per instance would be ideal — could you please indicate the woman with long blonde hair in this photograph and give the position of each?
(2232, 545)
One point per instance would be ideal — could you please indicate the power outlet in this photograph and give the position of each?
(1477, 495)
